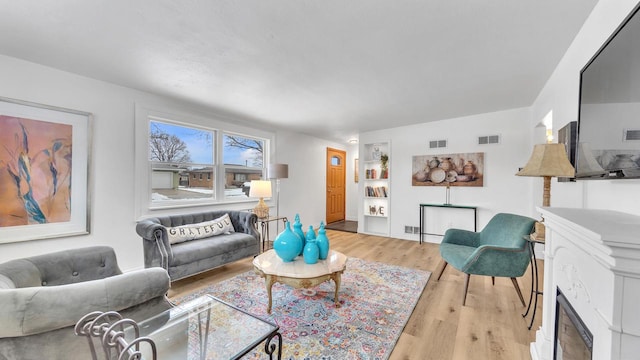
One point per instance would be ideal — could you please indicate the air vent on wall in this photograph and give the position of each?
(434, 144)
(631, 134)
(489, 139)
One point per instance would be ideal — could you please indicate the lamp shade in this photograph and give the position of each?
(278, 171)
(260, 188)
(548, 160)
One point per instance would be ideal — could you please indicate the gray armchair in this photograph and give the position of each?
(42, 298)
(498, 250)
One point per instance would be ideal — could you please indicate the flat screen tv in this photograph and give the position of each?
(609, 114)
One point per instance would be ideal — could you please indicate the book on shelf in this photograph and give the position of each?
(371, 174)
(376, 191)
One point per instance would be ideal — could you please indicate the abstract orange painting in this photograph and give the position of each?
(45, 154)
(35, 171)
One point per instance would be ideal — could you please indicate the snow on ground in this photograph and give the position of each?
(197, 190)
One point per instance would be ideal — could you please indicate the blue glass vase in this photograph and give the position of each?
(287, 244)
(311, 252)
(323, 242)
(311, 233)
(297, 229)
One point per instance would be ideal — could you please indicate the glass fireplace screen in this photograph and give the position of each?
(573, 339)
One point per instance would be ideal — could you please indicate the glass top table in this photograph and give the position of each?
(208, 328)
(203, 328)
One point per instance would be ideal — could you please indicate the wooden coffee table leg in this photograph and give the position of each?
(269, 280)
(336, 279)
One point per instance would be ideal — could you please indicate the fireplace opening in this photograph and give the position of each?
(573, 340)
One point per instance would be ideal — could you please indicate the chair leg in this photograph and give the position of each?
(466, 287)
(493, 280)
(515, 285)
(444, 266)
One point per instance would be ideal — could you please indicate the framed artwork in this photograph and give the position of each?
(466, 169)
(356, 172)
(44, 171)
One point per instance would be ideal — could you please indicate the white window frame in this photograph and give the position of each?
(211, 122)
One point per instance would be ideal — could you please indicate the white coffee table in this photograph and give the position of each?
(298, 274)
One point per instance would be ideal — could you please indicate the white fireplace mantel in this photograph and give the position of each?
(593, 257)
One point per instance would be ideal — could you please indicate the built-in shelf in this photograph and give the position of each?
(375, 191)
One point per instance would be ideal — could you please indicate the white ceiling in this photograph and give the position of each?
(330, 68)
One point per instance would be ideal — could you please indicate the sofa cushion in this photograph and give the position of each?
(182, 233)
(191, 251)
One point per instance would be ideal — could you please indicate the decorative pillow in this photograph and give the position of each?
(221, 225)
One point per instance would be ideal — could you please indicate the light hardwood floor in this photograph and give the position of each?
(490, 326)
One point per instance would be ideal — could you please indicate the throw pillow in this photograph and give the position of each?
(182, 233)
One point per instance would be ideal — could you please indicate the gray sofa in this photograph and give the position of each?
(42, 297)
(192, 257)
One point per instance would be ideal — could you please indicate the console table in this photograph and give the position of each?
(451, 206)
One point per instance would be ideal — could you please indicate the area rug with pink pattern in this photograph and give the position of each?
(376, 302)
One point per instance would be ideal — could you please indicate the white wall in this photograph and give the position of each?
(502, 190)
(304, 192)
(352, 186)
(112, 190)
(560, 94)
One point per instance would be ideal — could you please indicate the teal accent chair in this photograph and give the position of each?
(500, 249)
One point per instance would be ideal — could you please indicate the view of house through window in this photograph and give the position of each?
(182, 162)
(243, 159)
(184, 167)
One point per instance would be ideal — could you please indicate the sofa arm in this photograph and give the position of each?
(248, 223)
(156, 246)
(34, 310)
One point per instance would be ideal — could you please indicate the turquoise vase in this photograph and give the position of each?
(287, 244)
(323, 242)
(311, 234)
(297, 229)
(311, 252)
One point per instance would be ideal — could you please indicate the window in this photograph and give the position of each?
(184, 160)
(176, 151)
(243, 159)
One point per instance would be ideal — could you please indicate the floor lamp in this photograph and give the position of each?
(547, 160)
(278, 171)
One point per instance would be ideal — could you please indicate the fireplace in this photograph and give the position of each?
(573, 340)
(591, 273)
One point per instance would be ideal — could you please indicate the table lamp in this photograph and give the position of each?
(260, 189)
(547, 160)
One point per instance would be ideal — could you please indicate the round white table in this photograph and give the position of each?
(298, 274)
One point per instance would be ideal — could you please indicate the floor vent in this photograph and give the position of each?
(489, 139)
(631, 134)
(434, 144)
